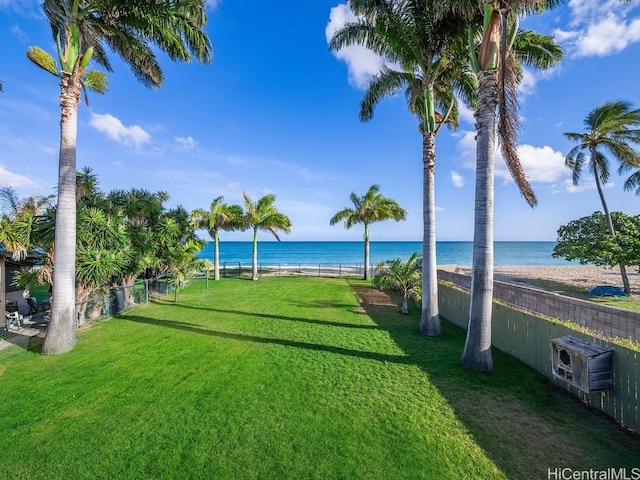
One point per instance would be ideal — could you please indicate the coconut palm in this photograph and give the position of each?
(86, 31)
(263, 215)
(498, 63)
(425, 43)
(611, 127)
(402, 275)
(367, 209)
(220, 216)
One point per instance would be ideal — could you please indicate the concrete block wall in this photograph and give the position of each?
(605, 320)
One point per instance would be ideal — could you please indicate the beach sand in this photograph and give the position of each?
(580, 276)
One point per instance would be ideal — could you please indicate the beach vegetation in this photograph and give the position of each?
(142, 211)
(403, 276)
(263, 215)
(498, 49)
(611, 130)
(367, 209)
(589, 241)
(262, 383)
(219, 216)
(85, 32)
(424, 50)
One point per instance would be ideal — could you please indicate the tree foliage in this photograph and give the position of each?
(588, 240)
(403, 276)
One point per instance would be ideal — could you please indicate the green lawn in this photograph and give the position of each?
(286, 378)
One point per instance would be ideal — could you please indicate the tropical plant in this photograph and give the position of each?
(588, 240)
(18, 215)
(498, 63)
(367, 209)
(220, 216)
(84, 31)
(182, 262)
(424, 41)
(611, 127)
(263, 215)
(402, 275)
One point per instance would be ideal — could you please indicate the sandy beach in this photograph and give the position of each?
(581, 276)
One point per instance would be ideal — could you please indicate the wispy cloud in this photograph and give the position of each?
(361, 62)
(186, 142)
(114, 129)
(456, 179)
(599, 28)
(10, 179)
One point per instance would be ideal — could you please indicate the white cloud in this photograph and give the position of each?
(599, 28)
(213, 4)
(117, 131)
(540, 164)
(465, 113)
(10, 179)
(186, 142)
(456, 179)
(361, 62)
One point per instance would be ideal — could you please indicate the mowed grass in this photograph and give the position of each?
(283, 378)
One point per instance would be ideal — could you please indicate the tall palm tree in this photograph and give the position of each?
(367, 209)
(403, 275)
(85, 31)
(263, 215)
(612, 127)
(220, 216)
(498, 63)
(426, 43)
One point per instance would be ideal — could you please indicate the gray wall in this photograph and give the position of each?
(527, 337)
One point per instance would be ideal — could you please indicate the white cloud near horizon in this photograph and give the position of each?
(599, 28)
(362, 63)
(114, 129)
(10, 179)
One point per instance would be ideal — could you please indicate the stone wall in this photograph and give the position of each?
(602, 319)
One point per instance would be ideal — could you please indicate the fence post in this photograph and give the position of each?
(146, 289)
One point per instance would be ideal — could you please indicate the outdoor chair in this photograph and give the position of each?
(12, 318)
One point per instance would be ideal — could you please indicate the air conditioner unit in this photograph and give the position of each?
(585, 365)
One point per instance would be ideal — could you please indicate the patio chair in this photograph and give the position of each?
(12, 318)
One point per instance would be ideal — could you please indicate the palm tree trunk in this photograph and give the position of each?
(216, 257)
(254, 256)
(62, 333)
(607, 216)
(430, 318)
(366, 251)
(477, 348)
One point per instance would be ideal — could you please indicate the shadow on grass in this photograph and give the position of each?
(523, 423)
(203, 330)
(269, 316)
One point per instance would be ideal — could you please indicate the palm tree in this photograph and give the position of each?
(263, 215)
(220, 216)
(611, 127)
(367, 209)
(403, 275)
(427, 44)
(84, 31)
(498, 63)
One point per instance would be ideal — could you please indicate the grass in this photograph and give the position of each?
(287, 378)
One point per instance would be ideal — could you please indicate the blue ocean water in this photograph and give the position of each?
(352, 253)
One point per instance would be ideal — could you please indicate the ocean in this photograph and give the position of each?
(352, 253)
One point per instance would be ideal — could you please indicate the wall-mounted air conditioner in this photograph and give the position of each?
(585, 365)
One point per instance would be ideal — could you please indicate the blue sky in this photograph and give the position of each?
(277, 112)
